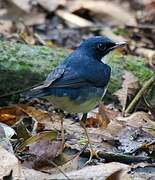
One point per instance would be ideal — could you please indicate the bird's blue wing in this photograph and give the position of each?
(77, 71)
(53, 76)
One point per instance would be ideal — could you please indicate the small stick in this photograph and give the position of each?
(140, 94)
(119, 157)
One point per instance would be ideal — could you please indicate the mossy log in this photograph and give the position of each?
(22, 66)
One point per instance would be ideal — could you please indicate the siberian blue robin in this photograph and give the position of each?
(80, 81)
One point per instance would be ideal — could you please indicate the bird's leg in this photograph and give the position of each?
(93, 152)
(62, 133)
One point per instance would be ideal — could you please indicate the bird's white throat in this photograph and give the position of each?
(106, 58)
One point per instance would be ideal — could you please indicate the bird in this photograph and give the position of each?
(80, 81)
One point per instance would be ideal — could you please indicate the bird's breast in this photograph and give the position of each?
(76, 100)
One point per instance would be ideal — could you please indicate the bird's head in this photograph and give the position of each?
(99, 46)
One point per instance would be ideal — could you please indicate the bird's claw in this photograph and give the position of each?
(93, 153)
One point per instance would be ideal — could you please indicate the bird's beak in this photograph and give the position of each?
(119, 45)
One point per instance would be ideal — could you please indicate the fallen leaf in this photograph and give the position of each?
(51, 5)
(101, 171)
(140, 120)
(50, 135)
(122, 15)
(115, 175)
(149, 56)
(132, 139)
(148, 14)
(102, 116)
(23, 5)
(28, 38)
(8, 163)
(37, 114)
(11, 114)
(34, 174)
(73, 20)
(45, 151)
(5, 26)
(137, 119)
(21, 130)
(92, 122)
(130, 86)
(6, 131)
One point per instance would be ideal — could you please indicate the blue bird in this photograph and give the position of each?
(80, 81)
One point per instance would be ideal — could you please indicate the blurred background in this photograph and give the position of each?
(67, 22)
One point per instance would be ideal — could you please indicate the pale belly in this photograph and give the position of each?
(83, 100)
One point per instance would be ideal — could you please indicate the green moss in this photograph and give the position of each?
(137, 66)
(23, 66)
(134, 64)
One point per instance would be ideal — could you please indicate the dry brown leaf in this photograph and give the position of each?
(51, 5)
(29, 39)
(37, 114)
(11, 114)
(102, 116)
(92, 122)
(140, 120)
(115, 175)
(130, 86)
(137, 119)
(45, 151)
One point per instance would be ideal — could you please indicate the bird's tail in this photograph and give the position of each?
(25, 94)
(33, 93)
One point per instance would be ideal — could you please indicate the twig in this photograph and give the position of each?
(56, 166)
(141, 26)
(140, 94)
(118, 157)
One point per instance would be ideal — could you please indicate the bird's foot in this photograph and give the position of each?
(93, 153)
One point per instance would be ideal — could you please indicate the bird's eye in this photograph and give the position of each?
(102, 46)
